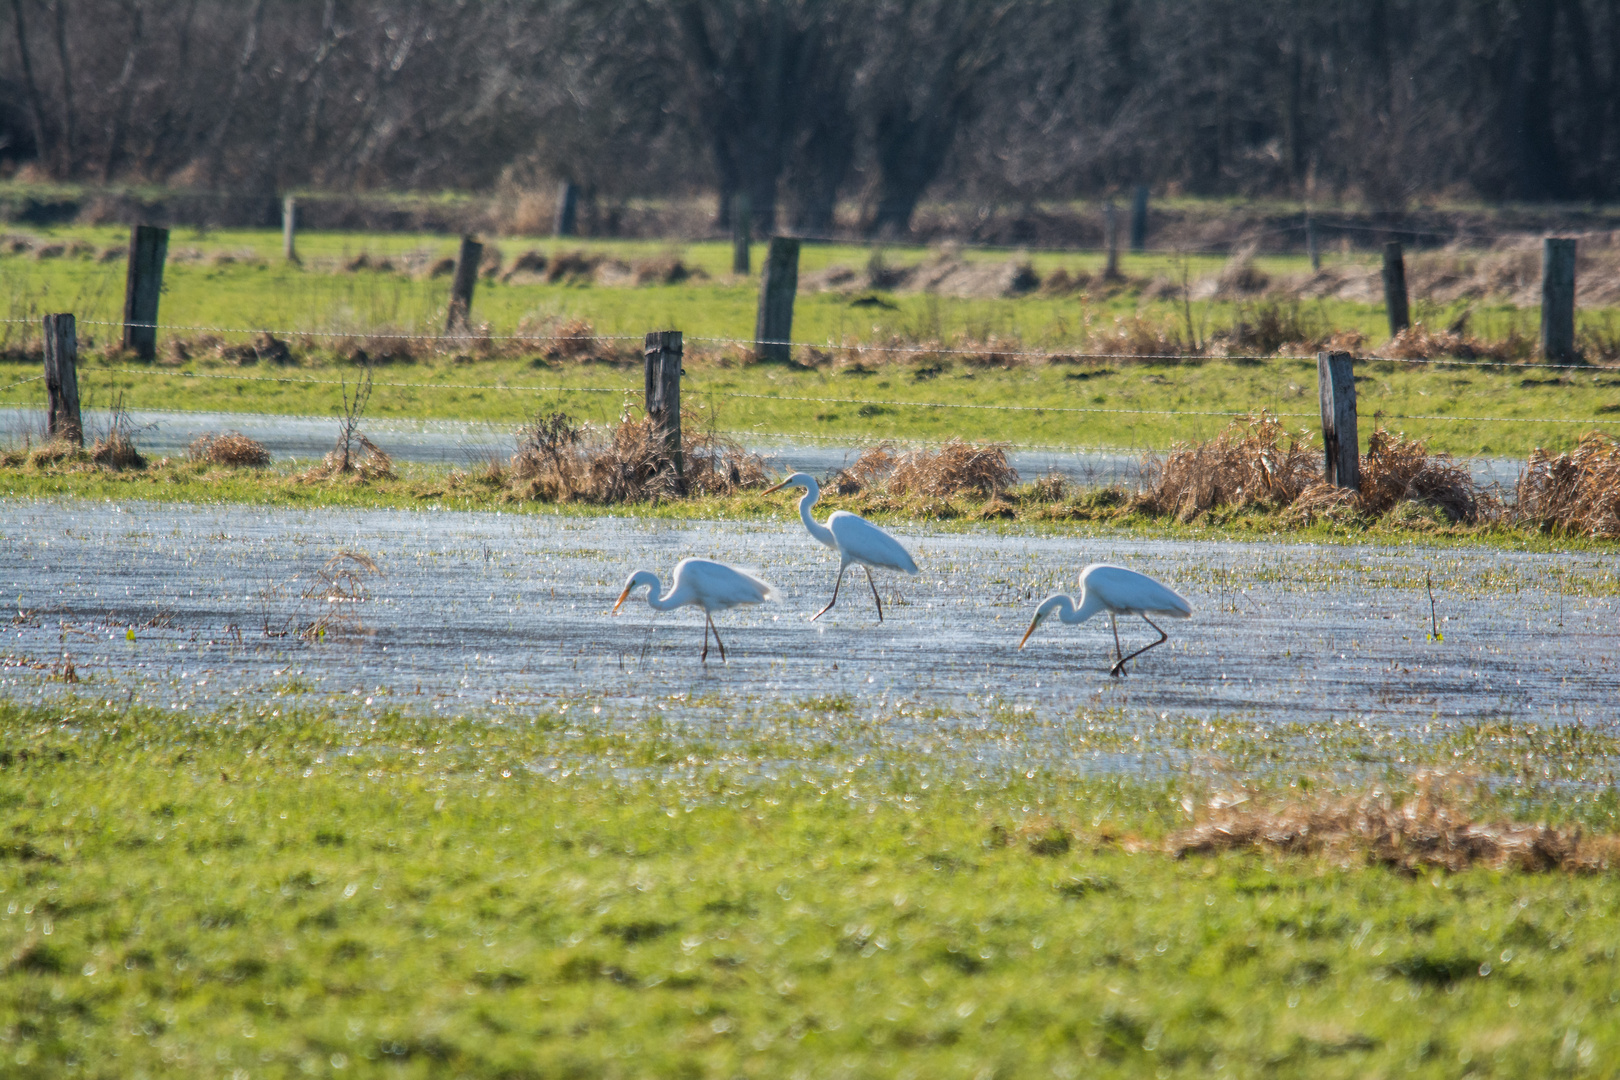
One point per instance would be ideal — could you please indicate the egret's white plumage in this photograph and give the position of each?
(1117, 591)
(702, 583)
(854, 538)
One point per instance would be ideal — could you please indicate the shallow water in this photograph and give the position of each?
(474, 611)
(471, 443)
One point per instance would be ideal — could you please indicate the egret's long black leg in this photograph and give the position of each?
(716, 630)
(834, 600)
(875, 596)
(1114, 669)
(1163, 637)
(703, 657)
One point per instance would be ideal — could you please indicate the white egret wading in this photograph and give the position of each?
(854, 538)
(706, 584)
(1117, 591)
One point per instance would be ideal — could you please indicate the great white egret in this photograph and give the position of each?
(1117, 591)
(706, 584)
(854, 538)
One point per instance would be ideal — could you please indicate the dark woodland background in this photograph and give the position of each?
(806, 104)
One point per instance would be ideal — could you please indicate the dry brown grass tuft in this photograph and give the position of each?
(373, 463)
(232, 448)
(1254, 462)
(1418, 342)
(561, 461)
(1432, 828)
(1400, 476)
(1396, 469)
(1577, 492)
(957, 468)
(665, 269)
(1137, 336)
(264, 348)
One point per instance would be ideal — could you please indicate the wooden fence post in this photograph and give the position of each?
(742, 229)
(1336, 384)
(1139, 208)
(1558, 301)
(567, 209)
(1111, 230)
(779, 283)
(62, 379)
(143, 284)
(663, 375)
(289, 229)
(461, 286)
(1312, 247)
(1400, 316)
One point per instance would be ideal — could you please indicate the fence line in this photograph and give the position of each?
(344, 382)
(855, 347)
(885, 402)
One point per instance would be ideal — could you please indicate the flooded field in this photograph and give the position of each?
(193, 607)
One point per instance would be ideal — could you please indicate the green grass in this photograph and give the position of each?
(1106, 403)
(559, 894)
(1116, 404)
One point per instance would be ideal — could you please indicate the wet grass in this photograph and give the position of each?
(531, 895)
(1093, 512)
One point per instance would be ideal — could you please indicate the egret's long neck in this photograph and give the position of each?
(652, 594)
(1090, 605)
(820, 532)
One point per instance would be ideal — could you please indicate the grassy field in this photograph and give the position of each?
(259, 894)
(1135, 405)
(237, 279)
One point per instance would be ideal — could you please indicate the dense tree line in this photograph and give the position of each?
(800, 105)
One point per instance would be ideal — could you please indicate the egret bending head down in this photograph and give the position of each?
(1117, 591)
(702, 583)
(854, 538)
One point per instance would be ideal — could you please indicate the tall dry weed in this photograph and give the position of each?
(1577, 492)
(1254, 462)
(956, 469)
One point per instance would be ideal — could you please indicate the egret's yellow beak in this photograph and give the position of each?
(778, 487)
(1033, 624)
(621, 599)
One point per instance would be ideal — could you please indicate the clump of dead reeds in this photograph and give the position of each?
(231, 448)
(1254, 462)
(1419, 342)
(957, 468)
(372, 463)
(116, 449)
(1398, 472)
(559, 460)
(1577, 492)
(1431, 828)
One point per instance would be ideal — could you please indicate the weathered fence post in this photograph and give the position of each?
(143, 284)
(1139, 207)
(1336, 383)
(773, 329)
(62, 379)
(567, 209)
(1558, 301)
(1312, 247)
(289, 229)
(663, 372)
(1111, 231)
(1395, 304)
(742, 226)
(461, 286)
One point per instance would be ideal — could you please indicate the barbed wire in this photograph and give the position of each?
(20, 382)
(170, 373)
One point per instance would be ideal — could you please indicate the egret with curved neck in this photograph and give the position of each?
(1117, 591)
(702, 583)
(854, 538)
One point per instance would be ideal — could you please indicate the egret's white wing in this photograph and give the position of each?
(1125, 590)
(716, 586)
(863, 542)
